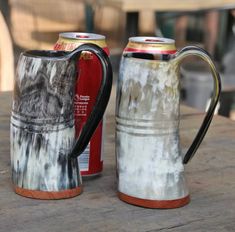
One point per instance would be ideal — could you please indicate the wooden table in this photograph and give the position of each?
(132, 8)
(210, 175)
(166, 5)
(6, 57)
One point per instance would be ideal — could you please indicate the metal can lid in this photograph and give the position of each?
(81, 35)
(151, 40)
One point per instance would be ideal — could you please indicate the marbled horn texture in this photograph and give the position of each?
(149, 162)
(42, 125)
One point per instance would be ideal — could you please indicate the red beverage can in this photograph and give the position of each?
(88, 82)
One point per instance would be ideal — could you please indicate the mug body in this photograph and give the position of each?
(42, 127)
(149, 162)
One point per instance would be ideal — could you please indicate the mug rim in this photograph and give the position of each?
(49, 54)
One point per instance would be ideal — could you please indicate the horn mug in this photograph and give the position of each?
(43, 146)
(150, 166)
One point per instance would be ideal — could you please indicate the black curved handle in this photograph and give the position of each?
(101, 101)
(193, 50)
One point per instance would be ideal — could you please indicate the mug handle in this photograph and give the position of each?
(197, 51)
(101, 100)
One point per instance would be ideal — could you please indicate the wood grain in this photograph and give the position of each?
(6, 57)
(168, 5)
(210, 177)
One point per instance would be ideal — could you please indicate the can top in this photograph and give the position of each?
(151, 40)
(153, 45)
(81, 35)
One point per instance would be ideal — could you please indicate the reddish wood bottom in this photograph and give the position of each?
(48, 195)
(158, 204)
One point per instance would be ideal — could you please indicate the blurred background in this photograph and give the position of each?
(33, 24)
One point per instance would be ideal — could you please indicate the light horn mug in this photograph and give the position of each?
(43, 146)
(150, 166)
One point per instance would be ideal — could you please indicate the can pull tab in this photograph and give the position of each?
(82, 36)
(154, 40)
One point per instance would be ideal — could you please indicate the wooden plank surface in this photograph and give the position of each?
(210, 175)
(6, 57)
(167, 5)
(36, 24)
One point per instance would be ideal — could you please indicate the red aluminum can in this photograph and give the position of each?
(88, 82)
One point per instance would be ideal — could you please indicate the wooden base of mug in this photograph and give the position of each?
(155, 204)
(46, 195)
